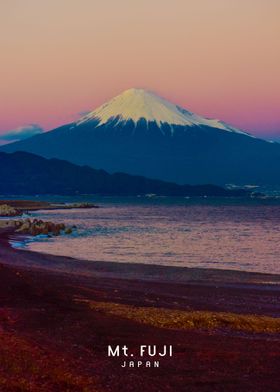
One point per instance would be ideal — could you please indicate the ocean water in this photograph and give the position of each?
(238, 235)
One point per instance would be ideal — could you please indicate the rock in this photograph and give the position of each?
(25, 227)
(6, 210)
(37, 227)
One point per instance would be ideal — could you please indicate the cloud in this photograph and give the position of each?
(20, 133)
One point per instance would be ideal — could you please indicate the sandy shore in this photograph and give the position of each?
(58, 315)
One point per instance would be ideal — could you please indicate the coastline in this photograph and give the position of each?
(60, 314)
(145, 272)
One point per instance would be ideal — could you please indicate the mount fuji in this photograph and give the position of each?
(140, 133)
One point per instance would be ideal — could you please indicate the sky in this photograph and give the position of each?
(217, 58)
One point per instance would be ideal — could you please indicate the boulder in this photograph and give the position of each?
(6, 210)
(36, 227)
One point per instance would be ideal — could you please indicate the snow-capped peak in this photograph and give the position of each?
(134, 104)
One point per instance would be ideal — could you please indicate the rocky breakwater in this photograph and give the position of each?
(8, 211)
(36, 227)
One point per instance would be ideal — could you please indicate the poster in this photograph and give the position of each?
(139, 196)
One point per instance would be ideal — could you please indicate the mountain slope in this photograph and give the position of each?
(136, 104)
(140, 133)
(25, 173)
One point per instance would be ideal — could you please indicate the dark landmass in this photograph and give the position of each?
(25, 173)
(58, 315)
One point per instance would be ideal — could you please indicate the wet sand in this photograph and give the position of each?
(58, 315)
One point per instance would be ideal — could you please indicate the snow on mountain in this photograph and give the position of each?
(134, 104)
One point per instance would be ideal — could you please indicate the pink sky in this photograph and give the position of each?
(218, 58)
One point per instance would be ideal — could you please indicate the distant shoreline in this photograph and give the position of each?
(31, 205)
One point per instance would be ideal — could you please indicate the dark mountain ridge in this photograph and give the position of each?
(25, 173)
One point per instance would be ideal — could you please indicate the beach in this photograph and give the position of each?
(59, 315)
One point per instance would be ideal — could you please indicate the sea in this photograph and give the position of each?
(228, 233)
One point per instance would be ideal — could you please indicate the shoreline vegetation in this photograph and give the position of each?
(58, 315)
